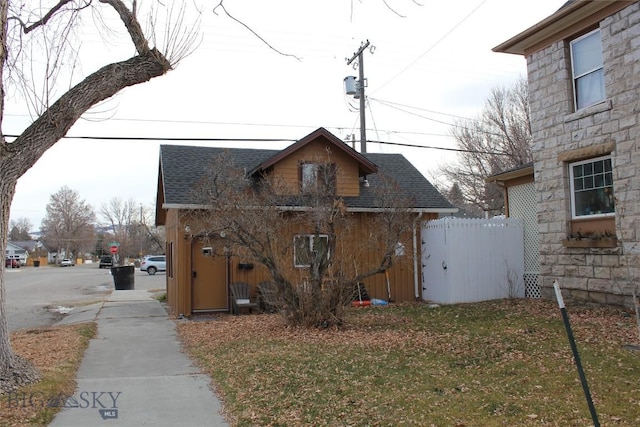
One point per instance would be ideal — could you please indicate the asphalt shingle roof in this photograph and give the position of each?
(183, 166)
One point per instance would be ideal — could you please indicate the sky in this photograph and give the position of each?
(429, 65)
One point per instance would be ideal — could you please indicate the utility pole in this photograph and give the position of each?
(140, 233)
(361, 85)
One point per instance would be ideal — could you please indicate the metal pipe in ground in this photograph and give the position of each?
(576, 355)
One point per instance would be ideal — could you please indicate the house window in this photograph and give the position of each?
(587, 70)
(169, 260)
(317, 177)
(305, 246)
(592, 187)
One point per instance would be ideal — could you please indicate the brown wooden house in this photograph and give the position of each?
(197, 282)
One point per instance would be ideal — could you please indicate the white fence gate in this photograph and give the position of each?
(469, 260)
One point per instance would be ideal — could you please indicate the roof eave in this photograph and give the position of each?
(304, 208)
(506, 176)
(570, 18)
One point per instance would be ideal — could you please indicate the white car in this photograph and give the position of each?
(66, 263)
(154, 263)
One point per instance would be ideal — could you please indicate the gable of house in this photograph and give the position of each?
(583, 85)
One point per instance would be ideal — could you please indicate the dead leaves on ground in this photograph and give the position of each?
(492, 363)
(56, 352)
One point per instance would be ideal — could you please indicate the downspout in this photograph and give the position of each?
(227, 278)
(415, 256)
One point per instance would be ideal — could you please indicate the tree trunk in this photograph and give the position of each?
(7, 190)
(20, 155)
(14, 370)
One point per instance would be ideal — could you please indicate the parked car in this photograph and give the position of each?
(12, 263)
(66, 263)
(106, 261)
(154, 263)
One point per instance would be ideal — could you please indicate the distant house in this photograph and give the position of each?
(583, 77)
(15, 251)
(26, 250)
(197, 282)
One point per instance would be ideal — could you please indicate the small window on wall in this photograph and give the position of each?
(317, 177)
(306, 245)
(592, 188)
(587, 70)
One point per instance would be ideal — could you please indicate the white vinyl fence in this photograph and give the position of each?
(470, 260)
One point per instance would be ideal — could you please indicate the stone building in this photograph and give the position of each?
(583, 65)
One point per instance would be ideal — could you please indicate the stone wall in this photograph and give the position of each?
(590, 274)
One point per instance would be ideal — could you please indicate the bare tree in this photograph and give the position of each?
(498, 140)
(47, 34)
(69, 223)
(259, 220)
(20, 229)
(153, 238)
(127, 224)
(123, 219)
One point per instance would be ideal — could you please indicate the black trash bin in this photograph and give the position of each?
(123, 277)
(36, 263)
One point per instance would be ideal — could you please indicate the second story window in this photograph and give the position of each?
(587, 70)
(318, 177)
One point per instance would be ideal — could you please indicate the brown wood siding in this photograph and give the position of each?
(350, 247)
(401, 275)
(178, 286)
(288, 169)
(172, 287)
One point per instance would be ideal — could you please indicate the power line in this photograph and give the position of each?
(457, 150)
(383, 101)
(431, 47)
(186, 139)
(412, 113)
(174, 139)
(390, 105)
(274, 125)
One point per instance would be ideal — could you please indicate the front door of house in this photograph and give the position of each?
(209, 279)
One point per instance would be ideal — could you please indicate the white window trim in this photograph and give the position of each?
(574, 78)
(311, 239)
(572, 189)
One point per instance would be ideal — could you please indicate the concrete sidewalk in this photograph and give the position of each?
(134, 372)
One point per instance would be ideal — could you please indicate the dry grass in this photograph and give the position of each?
(500, 363)
(56, 352)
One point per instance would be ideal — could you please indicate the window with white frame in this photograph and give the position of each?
(306, 246)
(592, 187)
(587, 70)
(317, 177)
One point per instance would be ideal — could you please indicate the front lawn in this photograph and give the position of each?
(498, 363)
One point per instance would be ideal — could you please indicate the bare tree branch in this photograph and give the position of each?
(27, 28)
(224, 9)
(498, 140)
(132, 25)
(392, 9)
